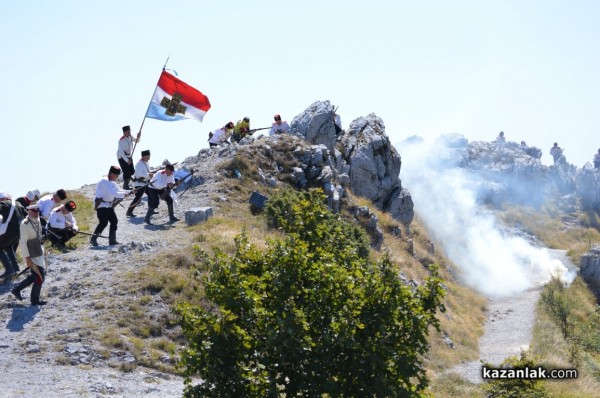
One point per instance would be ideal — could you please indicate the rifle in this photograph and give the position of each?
(183, 180)
(48, 230)
(254, 130)
(87, 233)
(14, 276)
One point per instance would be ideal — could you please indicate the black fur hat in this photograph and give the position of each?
(115, 170)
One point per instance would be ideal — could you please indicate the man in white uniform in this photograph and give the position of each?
(220, 136)
(107, 192)
(47, 203)
(279, 127)
(124, 154)
(140, 180)
(159, 188)
(62, 225)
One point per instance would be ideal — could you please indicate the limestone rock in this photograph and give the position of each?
(197, 215)
(315, 124)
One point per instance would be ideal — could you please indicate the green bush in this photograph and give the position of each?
(308, 316)
(516, 388)
(304, 214)
(559, 305)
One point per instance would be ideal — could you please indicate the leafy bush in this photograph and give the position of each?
(522, 388)
(309, 316)
(559, 305)
(304, 215)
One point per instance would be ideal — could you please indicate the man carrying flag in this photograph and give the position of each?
(124, 154)
(175, 100)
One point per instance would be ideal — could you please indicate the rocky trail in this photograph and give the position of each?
(509, 326)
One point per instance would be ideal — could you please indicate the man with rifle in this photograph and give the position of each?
(159, 188)
(62, 225)
(241, 129)
(279, 127)
(140, 181)
(108, 195)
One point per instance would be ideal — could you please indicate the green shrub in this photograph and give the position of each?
(513, 388)
(304, 214)
(559, 305)
(308, 316)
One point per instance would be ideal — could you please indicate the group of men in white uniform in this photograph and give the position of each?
(27, 222)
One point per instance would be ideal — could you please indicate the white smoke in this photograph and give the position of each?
(445, 199)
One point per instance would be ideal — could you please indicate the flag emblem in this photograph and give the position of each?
(173, 105)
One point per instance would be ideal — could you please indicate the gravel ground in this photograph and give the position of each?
(37, 343)
(508, 327)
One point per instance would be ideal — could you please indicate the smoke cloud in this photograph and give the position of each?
(445, 198)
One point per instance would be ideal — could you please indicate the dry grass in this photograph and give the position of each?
(556, 230)
(553, 351)
(453, 386)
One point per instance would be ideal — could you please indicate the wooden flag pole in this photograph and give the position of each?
(147, 109)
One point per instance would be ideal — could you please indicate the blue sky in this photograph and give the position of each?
(74, 72)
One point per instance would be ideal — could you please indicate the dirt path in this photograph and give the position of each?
(508, 327)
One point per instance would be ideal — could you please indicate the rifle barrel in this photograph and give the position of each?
(262, 128)
(87, 233)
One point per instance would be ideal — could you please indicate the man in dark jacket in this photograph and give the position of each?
(12, 214)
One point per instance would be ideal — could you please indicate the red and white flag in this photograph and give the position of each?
(175, 100)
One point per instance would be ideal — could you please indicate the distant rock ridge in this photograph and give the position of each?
(362, 157)
(508, 172)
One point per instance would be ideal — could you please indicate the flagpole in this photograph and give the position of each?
(149, 104)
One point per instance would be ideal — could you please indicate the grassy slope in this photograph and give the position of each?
(150, 335)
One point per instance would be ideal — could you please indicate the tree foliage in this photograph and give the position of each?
(310, 315)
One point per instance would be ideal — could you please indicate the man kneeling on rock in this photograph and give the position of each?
(32, 251)
(159, 188)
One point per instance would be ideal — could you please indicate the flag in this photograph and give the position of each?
(175, 100)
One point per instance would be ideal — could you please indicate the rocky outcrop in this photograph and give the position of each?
(372, 165)
(587, 181)
(315, 124)
(506, 171)
(361, 159)
(589, 269)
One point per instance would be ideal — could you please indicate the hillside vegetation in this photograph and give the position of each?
(172, 279)
(176, 279)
